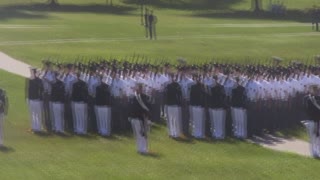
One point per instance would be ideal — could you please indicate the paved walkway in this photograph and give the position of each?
(11, 65)
(291, 145)
(297, 146)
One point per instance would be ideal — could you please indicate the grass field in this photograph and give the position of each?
(29, 156)
(197, 30)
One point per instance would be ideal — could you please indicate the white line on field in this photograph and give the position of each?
(21, 26)
(246, 25)
(93, 40)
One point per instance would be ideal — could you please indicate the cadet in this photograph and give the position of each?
(138, 116)
(197, 108)
(79, 101)
(103, 108)
(3, 112)
(238, 111)
(34, 94)
(57, 103)
(173, 97)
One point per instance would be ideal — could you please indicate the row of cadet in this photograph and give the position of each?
(208, 100)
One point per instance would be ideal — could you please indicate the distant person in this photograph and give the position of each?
(3, 112)
(315, 18)
(146, 22)
(152, 20)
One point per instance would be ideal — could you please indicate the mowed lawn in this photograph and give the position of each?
(195, 33)
(29, 156)
(31, 33)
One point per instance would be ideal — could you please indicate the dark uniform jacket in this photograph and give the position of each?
(173, 94)
(35, 89)
(80, 92)
(218, 97)
(103, 95)
(3, 102)
(136, 111)
(239, 97)
(197, 95)
(58, 92)
(312, 111)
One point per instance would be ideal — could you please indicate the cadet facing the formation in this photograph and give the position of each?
(3, 112)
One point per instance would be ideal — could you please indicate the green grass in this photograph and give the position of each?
(193, 32)
(54, 157)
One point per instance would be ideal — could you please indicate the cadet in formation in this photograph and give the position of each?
(210, 100)
(4, 104)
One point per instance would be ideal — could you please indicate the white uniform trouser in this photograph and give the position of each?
(218, 123)
(314, 140)
(174, 120)
(36, 114)
(239, 120)
(197, 121)
(57, 116)
(80, 117)
(141, 135)
(1, 128)
(103, 115)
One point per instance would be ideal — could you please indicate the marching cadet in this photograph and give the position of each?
(57, 103)
(312, 107)
(69, 78)
(197, 108)
(138, 116)
(4, 104)
(79, 101)
(47, 76)
(34, 92)
(103, 108)
(217, 109)
(238, 111)
(173, 97)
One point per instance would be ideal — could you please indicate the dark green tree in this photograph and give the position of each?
(53, 2)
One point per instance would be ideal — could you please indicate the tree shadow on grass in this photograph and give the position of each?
(187, 4)
(41, 10)
(6, 149)
(292, 15)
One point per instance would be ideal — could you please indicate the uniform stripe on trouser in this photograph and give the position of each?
(197, 121)
(174, 120)
(239, 119)
(218, 123)
(36, 114)
(57, 110)
(103, 116)
(80, 117)
(1, 128)
(314, 140)
(141, 141)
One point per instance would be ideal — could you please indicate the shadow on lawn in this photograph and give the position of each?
(187, 4)
(292, 15)
(40, 10)
(6, 149)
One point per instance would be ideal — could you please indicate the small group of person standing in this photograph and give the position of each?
(149, 22)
